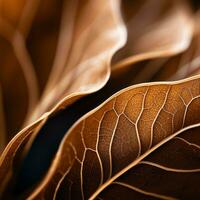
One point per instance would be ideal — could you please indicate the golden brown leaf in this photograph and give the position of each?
(56, 71)
(92, 42)
(119, 132)
(95, 63)
(170, 170)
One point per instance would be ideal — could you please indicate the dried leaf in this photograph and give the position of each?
(152, 38)
(190, 59)
(24, 95)
(16, 70)
(162, 172)
(100, 146)
(175, 67)
(111, 36)
(95, 39)
(57, 74)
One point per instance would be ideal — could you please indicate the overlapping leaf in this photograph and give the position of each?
(187, 28)
(152, 37)
(118, 149)
(92, 42)
(100, 146)
(95, 62)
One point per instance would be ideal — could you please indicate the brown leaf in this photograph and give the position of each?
(190, 60)
(95, 63)
(100, 146)
(40, 25)
(92, 42)
(153, 37)
(180, 66)
(17, 71)
(174, 67)
(14, 74)
(170, 170)
(106, 152)
(27, 47)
